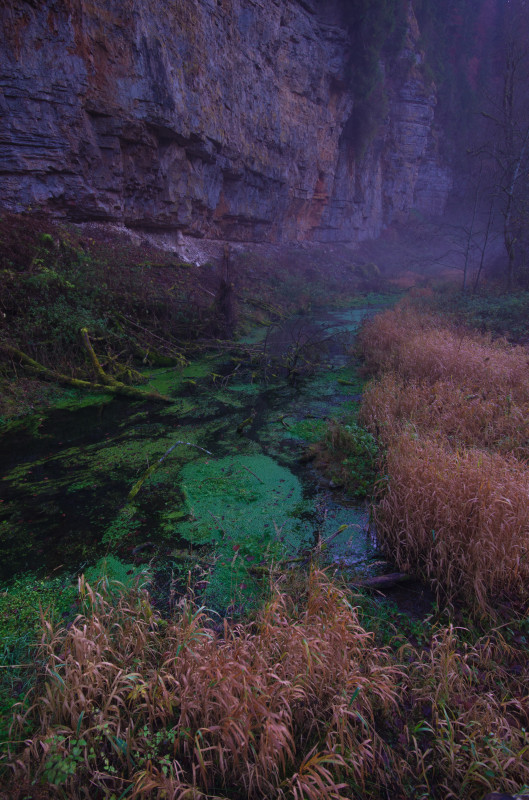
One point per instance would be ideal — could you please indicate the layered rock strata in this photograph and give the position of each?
(224, 119)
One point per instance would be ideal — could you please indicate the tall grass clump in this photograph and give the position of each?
(468, 733)
(419, 347)
(452, 409)
(348, 454)
(133, 705)
(457, 518)
(446, 410)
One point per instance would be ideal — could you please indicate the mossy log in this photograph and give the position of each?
(246, 422)
(132, 375)
(108, 380)
(57, 377)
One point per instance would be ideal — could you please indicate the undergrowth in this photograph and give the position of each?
(140, 305)
(299, 703)
(135, 302)
(284, 707)
(501, 314)
(348, 454)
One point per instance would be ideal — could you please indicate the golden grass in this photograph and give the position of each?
(446, 410)
(299, 704)
(418, 347)
(471, 733)
(452, 409)
(284, 707)
(459, 519)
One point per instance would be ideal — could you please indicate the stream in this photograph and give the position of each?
(221, 518)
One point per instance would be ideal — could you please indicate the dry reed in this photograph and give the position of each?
(459, 519)
(282, 708)
(471, 733)
(418, 347)
(452, 408)
(446, 410)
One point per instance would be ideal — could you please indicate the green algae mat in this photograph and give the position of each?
(227, 515)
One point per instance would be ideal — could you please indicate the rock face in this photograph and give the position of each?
(218, 118)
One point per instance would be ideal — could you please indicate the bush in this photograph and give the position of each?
(352, 453)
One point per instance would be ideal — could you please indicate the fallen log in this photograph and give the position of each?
(57, 377)
(382, 581)
(108, 380)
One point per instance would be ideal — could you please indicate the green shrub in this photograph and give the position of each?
(354, 454)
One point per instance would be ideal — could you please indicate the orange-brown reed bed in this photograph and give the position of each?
(459, 519)
(283, 708)
(467, 731)
(299, 704)
(446, 410)
(417, 346)
(452, 408)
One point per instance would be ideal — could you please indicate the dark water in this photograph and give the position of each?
(67, 472)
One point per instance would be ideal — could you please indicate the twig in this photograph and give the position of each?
(148, 472)
(253, 473)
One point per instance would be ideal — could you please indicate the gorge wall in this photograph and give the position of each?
(225, 119)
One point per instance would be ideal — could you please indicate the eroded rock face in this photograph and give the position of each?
(218, 118)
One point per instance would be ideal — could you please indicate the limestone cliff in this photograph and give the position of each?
(218, 118)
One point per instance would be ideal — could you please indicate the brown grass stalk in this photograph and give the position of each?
(283, 708)
(473, 735)
(446, 410)
(418, 347)
(459, 519)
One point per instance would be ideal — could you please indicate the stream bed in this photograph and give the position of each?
(232, 493)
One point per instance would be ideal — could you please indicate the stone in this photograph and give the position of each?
(223, 119)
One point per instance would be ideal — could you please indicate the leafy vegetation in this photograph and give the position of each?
(499, 314)
(348, 454)
(24, 603)
(138, 305)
